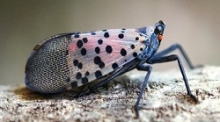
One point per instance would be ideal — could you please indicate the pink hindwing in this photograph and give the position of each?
(96, 54)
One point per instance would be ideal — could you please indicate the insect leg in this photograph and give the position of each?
(174, 47)
(169, 58)
(147, 68)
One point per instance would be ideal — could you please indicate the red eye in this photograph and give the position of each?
(160, 37)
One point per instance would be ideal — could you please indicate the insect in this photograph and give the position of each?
(67, 61)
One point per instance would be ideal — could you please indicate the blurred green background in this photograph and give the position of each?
(24, 23)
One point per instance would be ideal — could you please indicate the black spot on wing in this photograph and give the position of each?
(97, 50)
(121, 36)
(76, 36)
(100, 41)
(85, 80)
(87, 73)
(75, 62)
(101, 64)
(108, 49)
(79, 43)
(114, 65)
(80, 65)
(85, 40)
(93, 33)
(132, 46)
(83, 51)
(97, 60)
(78, 75)
(98, 74)
(134, 54)
(106, 34)
(123, 52)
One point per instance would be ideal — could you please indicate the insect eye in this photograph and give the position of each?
(158, 30)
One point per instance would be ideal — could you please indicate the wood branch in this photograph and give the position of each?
(165, 99)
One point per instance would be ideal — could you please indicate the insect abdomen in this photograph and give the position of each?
(46, 69)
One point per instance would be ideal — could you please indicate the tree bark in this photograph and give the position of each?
(165, 99)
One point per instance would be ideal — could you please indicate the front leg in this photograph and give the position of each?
(156, 59)
(176, 47)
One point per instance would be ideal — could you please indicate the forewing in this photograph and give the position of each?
(96, 54)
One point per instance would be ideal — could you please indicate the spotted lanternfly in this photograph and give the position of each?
(67, 61)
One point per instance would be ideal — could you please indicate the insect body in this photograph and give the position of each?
(70, 60)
